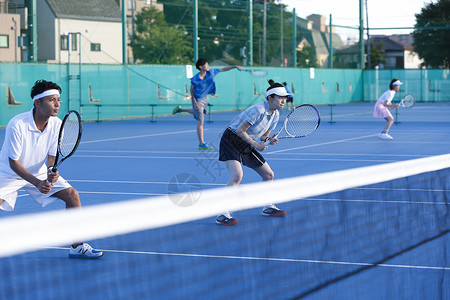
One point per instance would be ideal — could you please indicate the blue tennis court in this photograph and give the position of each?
(363, 244)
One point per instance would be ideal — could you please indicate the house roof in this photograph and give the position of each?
(390, 44)
(98, 10)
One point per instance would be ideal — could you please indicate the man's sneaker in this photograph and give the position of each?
(273, 211)
(385, 136)
(226, 219)
(177, 109)
(84, 251)
(204, 147)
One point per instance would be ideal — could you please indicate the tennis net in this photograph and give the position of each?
(376, 232)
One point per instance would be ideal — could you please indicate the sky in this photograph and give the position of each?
(382, 13)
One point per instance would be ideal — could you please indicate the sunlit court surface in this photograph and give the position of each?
(382, 241)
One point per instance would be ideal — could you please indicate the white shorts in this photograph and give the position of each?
(10, 185)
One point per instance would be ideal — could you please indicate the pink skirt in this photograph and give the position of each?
(381, 111)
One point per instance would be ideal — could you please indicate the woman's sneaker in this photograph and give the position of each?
(385, 136)
(84, 251)
(273, 211)
(226, 219)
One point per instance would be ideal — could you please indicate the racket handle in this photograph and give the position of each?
(53, 170)
(267, 142)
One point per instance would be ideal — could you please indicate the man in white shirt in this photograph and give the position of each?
(29, 149)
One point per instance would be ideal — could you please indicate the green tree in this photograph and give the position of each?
(222, 28)
(377, 54)
(307, 58)
(433, 44)
(157, 43)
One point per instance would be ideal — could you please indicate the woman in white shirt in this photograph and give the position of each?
(382, 106)
(245, 137)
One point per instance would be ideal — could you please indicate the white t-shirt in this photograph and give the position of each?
(259, 117)
(386, 96)
(24, 142)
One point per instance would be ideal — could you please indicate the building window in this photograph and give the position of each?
(74, 39)
(65, 42)
(95, 47)
(4, 41)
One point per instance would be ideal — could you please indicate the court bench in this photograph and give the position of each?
(98, 107)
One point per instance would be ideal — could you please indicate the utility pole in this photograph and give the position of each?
(32, 31)
(294, 39)
(281, 35)
(195, 31)
(264, 34)
(250, 33)
(368, 39)
(124, 32)
(330, 59)
(361, 34)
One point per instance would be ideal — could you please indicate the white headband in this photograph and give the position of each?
(279, 91)
(45, 94)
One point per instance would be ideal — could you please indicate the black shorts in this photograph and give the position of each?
(232, 147)
(290, 99)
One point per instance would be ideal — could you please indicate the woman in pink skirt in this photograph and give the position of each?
(382, 106)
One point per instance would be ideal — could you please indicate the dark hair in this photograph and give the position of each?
(200, 62)
(273, 85)
(285, 83)
(42, 85)
(391, 87)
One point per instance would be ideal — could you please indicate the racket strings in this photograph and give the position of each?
(408, 101)
(69, 136)
(302, 121)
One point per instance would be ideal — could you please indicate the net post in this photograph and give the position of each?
(98, 112)
(153, 113)
(209, 113)
(331, 113)
(396, 116)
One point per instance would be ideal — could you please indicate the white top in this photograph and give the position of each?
(258, 116)
(24, 142)
(386, 96)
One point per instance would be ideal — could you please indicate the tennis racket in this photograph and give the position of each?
(300, 122)
(256, 73)
(407, 101)
(69, 137)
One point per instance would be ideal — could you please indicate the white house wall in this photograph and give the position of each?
(107, 34)
(412, 60)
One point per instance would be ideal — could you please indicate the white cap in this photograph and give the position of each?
(398, 82)
(279, 91)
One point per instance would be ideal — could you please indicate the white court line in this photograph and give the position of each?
(209, 158)
(327, 143)
(299, 153)
(136, 136)
(144, 151)
(119, 193)
(373, 201)
(136, 182)
(266, 259)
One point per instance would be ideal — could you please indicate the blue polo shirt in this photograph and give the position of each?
(205, 86)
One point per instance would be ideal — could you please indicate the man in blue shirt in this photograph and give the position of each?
(202, 84)
(290, 98)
